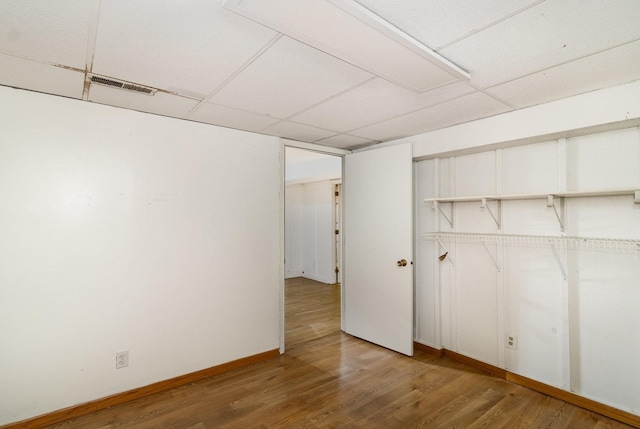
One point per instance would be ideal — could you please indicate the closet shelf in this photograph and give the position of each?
(571, 194)
(570, 243)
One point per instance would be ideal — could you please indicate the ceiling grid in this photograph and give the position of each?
(211, 64)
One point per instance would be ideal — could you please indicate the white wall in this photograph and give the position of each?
(319, 235)
(318, 169)
(127, 231)
(294, 231)
(309, 226)
(579, 332)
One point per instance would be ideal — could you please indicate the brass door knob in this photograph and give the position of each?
(402, 263)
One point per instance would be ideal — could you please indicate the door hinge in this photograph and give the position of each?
(337, 231)
(337, 194)
(337, 270)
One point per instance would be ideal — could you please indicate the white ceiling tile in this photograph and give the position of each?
(437, 23)
(232, 118)
(298, 132)
(463, 109)
(549, 34)
(372, 102)
(21, 73)
(288, 78)
(349, 31)
(55, 32)
(188, 47)
(345, 141)
(609, 68)
(160, 103)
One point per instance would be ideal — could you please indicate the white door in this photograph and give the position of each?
(378, 236)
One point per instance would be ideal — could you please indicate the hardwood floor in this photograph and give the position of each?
(328, 379)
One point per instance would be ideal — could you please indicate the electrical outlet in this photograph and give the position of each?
(512, 342)
(122, 359)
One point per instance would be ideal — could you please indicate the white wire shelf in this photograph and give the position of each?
(569, 194)
(569, 243)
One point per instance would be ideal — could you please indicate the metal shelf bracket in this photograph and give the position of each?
(559, 215)
(496, 219)
(436, 205)
(560, 264)
(495, 262)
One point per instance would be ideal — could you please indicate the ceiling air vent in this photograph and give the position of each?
(126, 86)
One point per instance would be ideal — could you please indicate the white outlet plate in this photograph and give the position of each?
(122, 359)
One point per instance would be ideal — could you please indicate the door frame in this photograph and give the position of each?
(341, 153)
(284, 143)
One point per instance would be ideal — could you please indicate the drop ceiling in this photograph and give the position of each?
(212, 65)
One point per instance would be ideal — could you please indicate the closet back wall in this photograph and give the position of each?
(571, 312)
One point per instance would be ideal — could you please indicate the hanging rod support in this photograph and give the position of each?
(446, 252)
(436, 205)
(496, 219)
(560, 264)
(559, 216)
(491, 256)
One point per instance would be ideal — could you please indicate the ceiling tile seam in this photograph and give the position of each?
(92, 36)
(488, 88)
(263, 130)
(370, 141)
(230, 127)
(408, 113)
(246, 111)
(288, 118)
(331, 97)
(300, 123)
(326, 138)
(442, 85)
(235, 74)
(500, 100)
(271, 133)
(43, 62)
(495, 97)
(377, 122)
(323, 138)
(313, 126)
(487, 26)
(374, 77)
(363, 145)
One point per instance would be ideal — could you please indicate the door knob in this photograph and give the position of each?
(402, 263)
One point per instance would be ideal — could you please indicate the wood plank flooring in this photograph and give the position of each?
(328, 379)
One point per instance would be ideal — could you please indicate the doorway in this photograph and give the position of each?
(312, 241)
(312, 215)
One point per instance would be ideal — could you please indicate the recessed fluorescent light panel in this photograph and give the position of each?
(351, 32)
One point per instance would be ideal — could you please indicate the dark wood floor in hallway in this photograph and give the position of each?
(328, 379)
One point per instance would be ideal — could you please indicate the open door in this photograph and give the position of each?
(378, 247)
